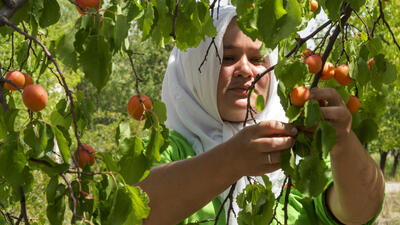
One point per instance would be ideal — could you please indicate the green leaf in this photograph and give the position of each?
(290, 73)
(288, 162)
(256, 202)
(133, 165)
(324, 139)
(260, 103)
(160, 110)
(50, 14)
(109, 161)
(390, 75)
(65, 49)
(312, 176)
(35, 136)
(332, 8)
(55, 193)
(47, 165)
(356, 4)
(367, 131)
(293, 113)
(130, 206)
(96, 61)
(312, 113)
(13, 160)
(153, 147)
(148, 19)
(7, 119)
(62, 144)
(123, 131)
(121, 30)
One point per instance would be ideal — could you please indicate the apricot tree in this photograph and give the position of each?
(42, 142)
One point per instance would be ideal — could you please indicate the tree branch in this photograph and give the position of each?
(4, 20)
(71, 195)
(332, 39)
(23, 205)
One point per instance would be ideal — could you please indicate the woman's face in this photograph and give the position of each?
(242, 61)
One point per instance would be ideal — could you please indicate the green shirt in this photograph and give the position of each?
(301, 210)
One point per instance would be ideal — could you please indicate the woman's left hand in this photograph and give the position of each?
(333, 110)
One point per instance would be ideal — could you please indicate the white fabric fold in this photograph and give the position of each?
(190, 96)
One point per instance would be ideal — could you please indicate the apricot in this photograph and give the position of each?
(314, 63)
(86, 155)
(299, 96)
(35, 97)
(28, 80)
(328, 72)
(353, 104)
(342, 75)
(371, 62)
(313, 5)
(87, 4)
(17, 78)
(135, 107)
(306, 53)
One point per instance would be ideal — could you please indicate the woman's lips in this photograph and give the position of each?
(240, 91)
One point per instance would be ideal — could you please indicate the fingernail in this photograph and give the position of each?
(294, 130)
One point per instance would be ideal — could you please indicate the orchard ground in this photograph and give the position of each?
(391, 210)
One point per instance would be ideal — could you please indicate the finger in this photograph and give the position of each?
(327, 94)
(271, 144)
(272, 157)
(335, 113)
(274, 128)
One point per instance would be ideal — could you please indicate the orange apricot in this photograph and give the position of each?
(342, 75)
(299, 96)
(35, 97)
(353, 104)
(17, 78)
(314, 63)
(328, 72)
(135, 107)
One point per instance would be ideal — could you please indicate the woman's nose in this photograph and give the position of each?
(243, 67)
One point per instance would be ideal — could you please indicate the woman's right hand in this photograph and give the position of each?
(248, 150)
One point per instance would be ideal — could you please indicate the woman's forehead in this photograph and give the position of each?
(234, 38)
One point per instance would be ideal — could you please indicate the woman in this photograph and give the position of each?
(210, 151)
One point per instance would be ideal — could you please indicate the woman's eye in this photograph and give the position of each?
(228, 60)
(258, 61)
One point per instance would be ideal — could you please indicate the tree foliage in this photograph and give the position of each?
(89, 64)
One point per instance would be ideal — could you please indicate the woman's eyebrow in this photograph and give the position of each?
(233, 47)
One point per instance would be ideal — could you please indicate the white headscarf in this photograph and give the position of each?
(191, 100)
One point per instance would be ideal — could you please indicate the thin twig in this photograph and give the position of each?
(208, 49)
(175, 18)
(363, 22)
(11, 64)
(223, 203)
(71, 195)
(23, 205)
(288, 187)
(277, 202)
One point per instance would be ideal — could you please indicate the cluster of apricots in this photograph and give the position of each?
(34, 96)
(86, 155)
(137, 106)
(341, 74)
(87, 4)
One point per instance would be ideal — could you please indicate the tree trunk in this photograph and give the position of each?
(383, 160)
(395, 163)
